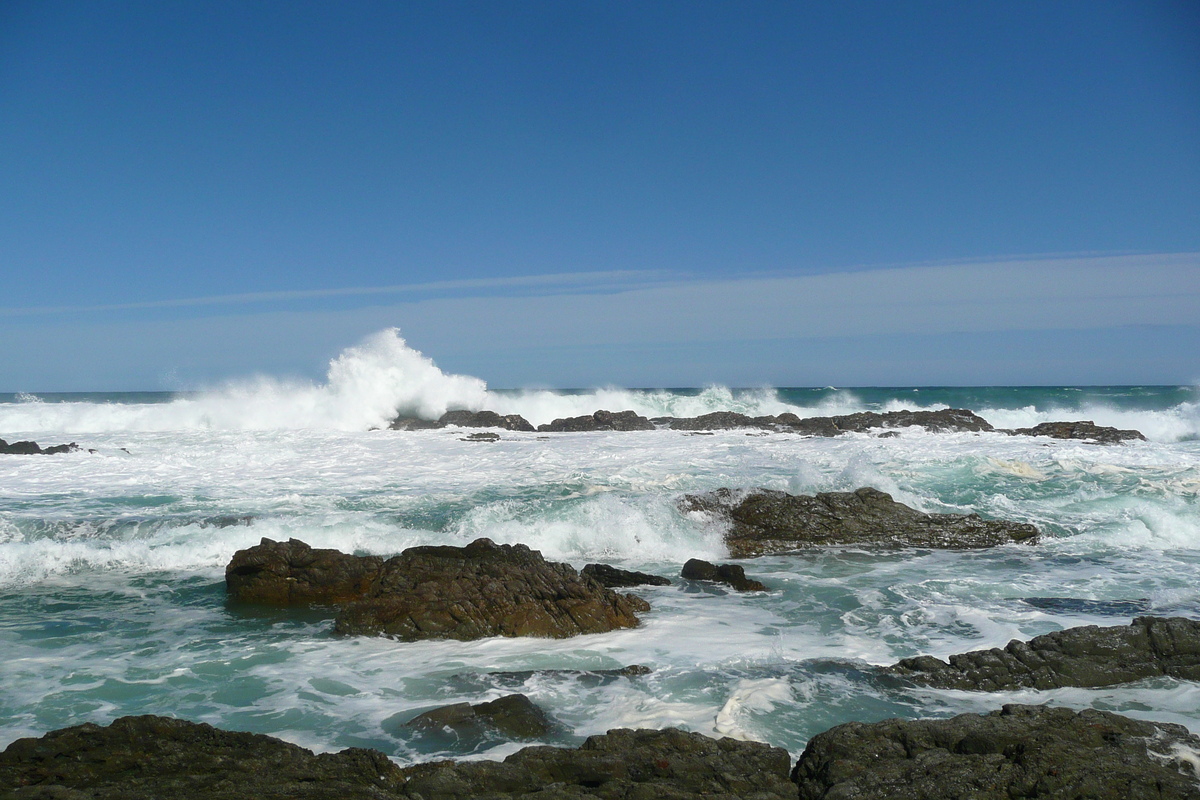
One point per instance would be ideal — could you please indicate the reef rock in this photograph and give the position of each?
(292, 573)
(1019, 751)
(484, 589)
(599, 421)
(484, 419)
(1087, 656)
(615, 578)
(765, 521)
(33, 449)
(513, 716)
(731, 575)
(1082, 429)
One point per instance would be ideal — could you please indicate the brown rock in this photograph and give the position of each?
(292, 573)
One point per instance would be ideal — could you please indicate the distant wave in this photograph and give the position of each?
(369, 384)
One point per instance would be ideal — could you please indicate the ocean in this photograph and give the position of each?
(112, 597)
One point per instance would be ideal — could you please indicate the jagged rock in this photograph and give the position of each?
(599, 421)
(1086, 656)
(766, 521)
(719, 420)
(946, 419)
(413, 424)
(949, 419)
(620, 765)
(481, 437)
(484, 589)
(156, 757)
(513, 716)
(484, 419)
(1019, 751)
(33, 449)
(615, 578)
(1082, 429)
(730, 574)
(292, 573)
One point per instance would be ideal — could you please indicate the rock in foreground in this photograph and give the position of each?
(156, 757)
(732, 575)
(616, 578)
(292, 573)
(1087, 656)
(513, 716)
(1019, 751)
(1082, 429)
(766, 521)
(34, 449)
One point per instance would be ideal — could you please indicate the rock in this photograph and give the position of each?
(481, 437)
(765, 521)
(513, 716)
(729, 574)
(615, 578)
(1087, 656)
(1075, 605)
(946, 419)
(720, 420)
(32, 449)
(585, 677)
(484, 419)
(413, 424)
(599, 421)
(1083, 429)
(1019, 751)
(625, 764)
(158, 757)
(484, 589)
(292, 573)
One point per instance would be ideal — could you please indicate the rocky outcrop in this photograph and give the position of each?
(1087, 656)
(599, 421)
(615, 578)
(716, 421)
(731, 575)
(1019, 751)
(471, 592)
(484, 419)
(487, 436)
(765, 521)
(484, 589)
(33, 449)
(513, 716)
(949, 419)
(1082, 429)
(156, 757)
(292, 573)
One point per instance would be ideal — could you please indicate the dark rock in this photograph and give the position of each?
(481, 437)
(1083, 429)
(511, 717)
(599, 421)
(624, 764)
(292, 573)
(950, 419)
(766, 521)
(158, 757)
(1087, 656)
(588, 678)
(615, 578)
(729, 574)
(484, 589)
(1019, 751)
(720, 420)
(1074, 605)
(484, 419)
(32, 449)
(413, 424)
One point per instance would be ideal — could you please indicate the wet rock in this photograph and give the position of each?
(599, 421)
(481, 437)
(586, 678)
(1075, 605)
(615, 578)
(946, 419)
(481, 590)
(1087, 656)
(765, 521)
(1019, 751)
(729, 574)
(158, 757)
(413, 424)
(719, 420)
(513, 716)
(484, 419)
(292, 573)
(33, 449)
(625, 764)
(1082, 429)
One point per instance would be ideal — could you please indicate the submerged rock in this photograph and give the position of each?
(599, 421)
(1075, 605)
(481, 437)
(1087, 656)
(1019, 751)
(513, 716)
(157, 757)
(1082, 429)
(292, 573)
(484, 589)
(731, 575)
(615, 578)
(766, 521)
(33, 449)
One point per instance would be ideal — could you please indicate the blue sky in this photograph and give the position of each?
(572, 194)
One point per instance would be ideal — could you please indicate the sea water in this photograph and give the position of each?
(112, 597)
